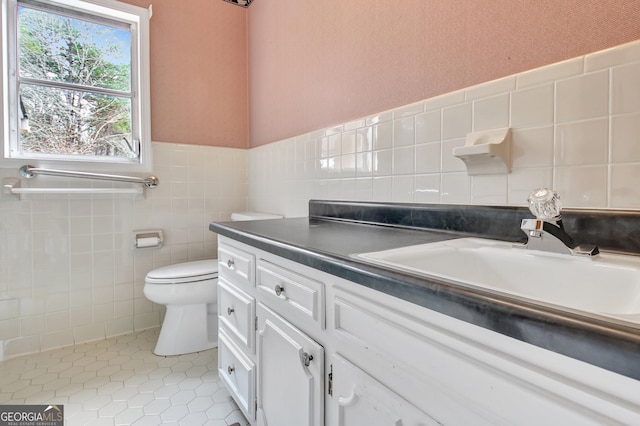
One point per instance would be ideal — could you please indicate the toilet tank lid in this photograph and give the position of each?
(196, 268)
(239, 216)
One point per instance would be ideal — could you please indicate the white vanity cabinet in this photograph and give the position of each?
(333, 352)
(270, 318)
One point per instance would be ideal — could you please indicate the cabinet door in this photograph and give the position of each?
(360, 400)
(290, 374)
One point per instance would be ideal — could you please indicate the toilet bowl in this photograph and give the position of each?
(189, 291)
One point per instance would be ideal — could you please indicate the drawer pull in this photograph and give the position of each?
(306, 359)
(230, 311)
(230, 263)
(279, 290)
(230, 370)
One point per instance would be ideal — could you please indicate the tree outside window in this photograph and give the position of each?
(74, 86)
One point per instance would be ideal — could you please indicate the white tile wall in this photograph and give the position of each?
(575, 127)
(68, 270)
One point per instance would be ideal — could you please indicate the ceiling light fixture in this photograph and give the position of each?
(243, 3)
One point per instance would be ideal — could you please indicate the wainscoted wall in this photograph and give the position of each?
(68, 270)
(575, 127)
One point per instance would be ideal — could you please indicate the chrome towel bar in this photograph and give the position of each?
(31, 171)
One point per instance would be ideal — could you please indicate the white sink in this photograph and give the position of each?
(608, 284)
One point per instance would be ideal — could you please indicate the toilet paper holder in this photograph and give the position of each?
(147, 239)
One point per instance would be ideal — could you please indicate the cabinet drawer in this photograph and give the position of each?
(237, 311)
(236, 265)
(239, 374)
(292, 295)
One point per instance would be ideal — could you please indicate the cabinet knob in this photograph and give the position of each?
(306, 359)
(230, 311)
(230, 369)
(230, 263)
(279, 290)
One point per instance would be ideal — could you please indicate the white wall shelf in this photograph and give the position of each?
(12, 186)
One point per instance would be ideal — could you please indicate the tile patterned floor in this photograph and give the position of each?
(119, 381)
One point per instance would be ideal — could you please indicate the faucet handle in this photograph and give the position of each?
(545, 204)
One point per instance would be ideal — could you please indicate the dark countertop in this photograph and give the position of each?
(327, 241)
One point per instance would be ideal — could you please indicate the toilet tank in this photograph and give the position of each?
(240, 216)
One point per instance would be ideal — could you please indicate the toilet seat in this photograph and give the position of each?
(181, 273)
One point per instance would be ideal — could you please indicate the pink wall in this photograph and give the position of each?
(198, 72)
(314, 63)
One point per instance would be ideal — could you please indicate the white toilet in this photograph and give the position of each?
(190, 292)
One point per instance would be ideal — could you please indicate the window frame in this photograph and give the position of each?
(138, 19)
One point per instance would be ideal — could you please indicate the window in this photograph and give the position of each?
(75, 84)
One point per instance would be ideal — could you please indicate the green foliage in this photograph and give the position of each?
(73, 120)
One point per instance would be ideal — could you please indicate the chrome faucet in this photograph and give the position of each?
(546, 232)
